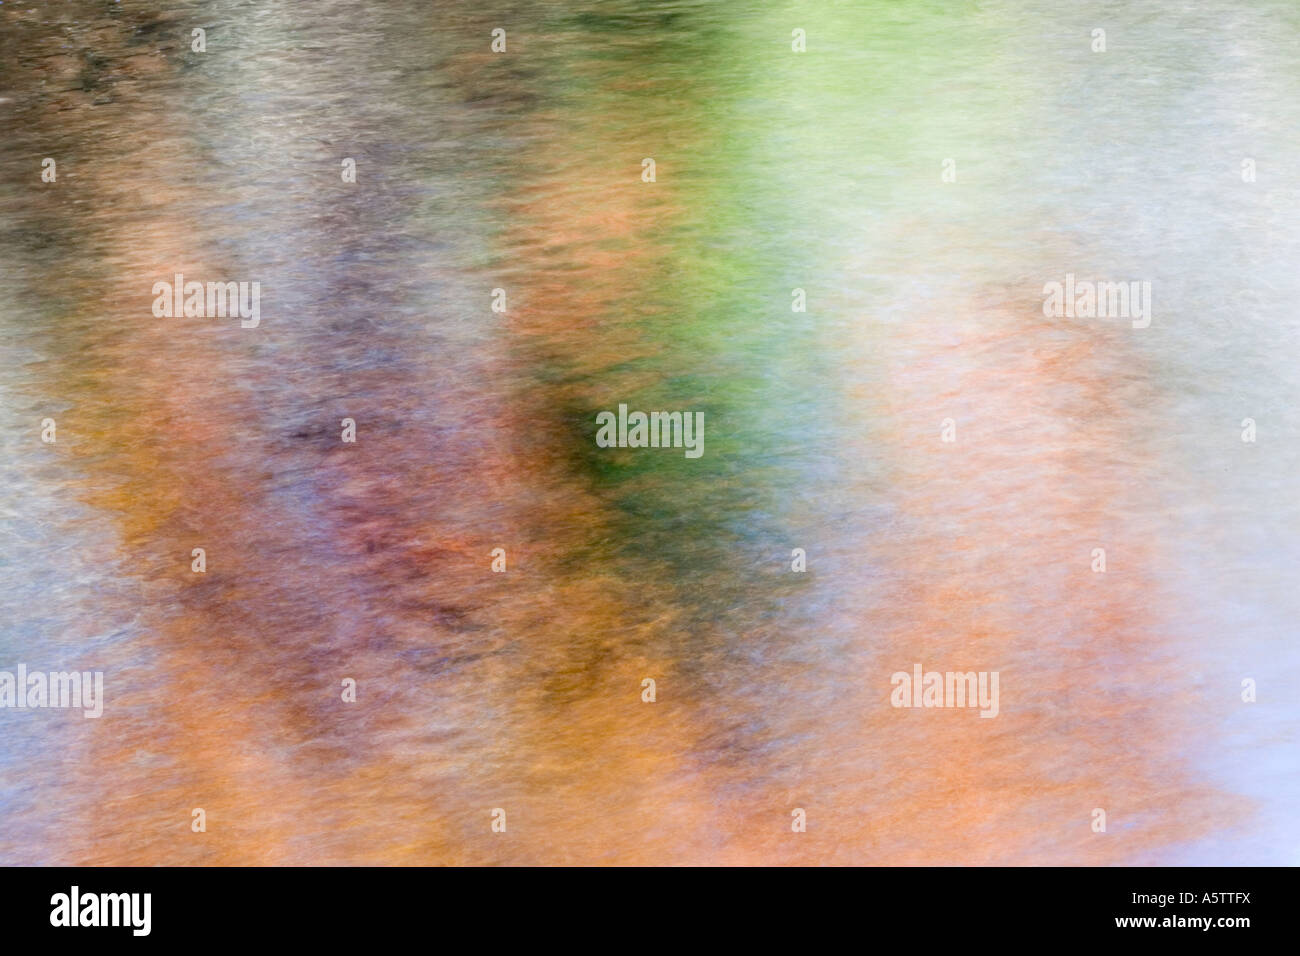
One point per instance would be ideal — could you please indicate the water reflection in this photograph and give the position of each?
(475, 431)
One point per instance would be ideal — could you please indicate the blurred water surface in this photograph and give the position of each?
(775, 171)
